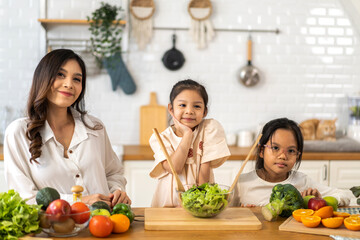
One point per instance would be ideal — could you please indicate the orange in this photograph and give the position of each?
(325, 212)
(355, 215)
(352, 223)
(333, 222)
(341, 214)
(311, 221)
(121, 223)
(297, 214)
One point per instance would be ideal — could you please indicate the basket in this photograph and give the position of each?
(200, 9)
(142, 9)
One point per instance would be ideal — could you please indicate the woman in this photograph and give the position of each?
(58, 144)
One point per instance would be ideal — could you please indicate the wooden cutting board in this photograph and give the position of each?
(152, 116)
(291, 225)
(179, 219)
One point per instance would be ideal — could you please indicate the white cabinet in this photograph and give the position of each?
(344, 174)
(3, 185)
(140, 186)
(317, 170)
(226, 173)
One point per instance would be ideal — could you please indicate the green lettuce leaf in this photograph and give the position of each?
(16, 217)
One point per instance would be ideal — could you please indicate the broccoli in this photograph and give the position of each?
(284, 199)
(356, 191)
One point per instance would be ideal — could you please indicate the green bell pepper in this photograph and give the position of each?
(122, 208)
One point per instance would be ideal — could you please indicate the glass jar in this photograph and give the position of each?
(354, 117)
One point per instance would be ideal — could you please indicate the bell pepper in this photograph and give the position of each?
(122, 208)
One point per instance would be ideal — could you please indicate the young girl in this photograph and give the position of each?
(195, 145)
(279, 150)
(58, 144)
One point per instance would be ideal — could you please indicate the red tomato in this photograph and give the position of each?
(80, 212)
(100, 226)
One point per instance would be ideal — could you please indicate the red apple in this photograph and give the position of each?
(316, 203)
(58, 210)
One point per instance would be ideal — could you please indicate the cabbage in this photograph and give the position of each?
(206, 200)
(16, 217)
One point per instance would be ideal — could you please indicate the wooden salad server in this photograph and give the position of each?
(180, 186)
(244, 163)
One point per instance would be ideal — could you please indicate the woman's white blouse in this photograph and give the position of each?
(91, 161)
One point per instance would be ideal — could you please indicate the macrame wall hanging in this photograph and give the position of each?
(201, 28)
(141, 21)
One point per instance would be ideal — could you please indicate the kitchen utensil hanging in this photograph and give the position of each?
(201, 28)
(141, 21)
(173, 59)
(249, 75)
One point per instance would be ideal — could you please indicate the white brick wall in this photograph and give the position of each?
(307, 70)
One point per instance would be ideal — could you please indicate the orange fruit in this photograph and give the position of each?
(333, 222)
(297, 214)
(355, 215)
(311, 221)
(121, 223)
(352, 223)
(341, 214)
(324, 212)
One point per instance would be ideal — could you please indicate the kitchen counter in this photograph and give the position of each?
(269, 231)
(138, 152)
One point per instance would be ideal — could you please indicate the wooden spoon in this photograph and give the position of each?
(244, 163)
(180, 186)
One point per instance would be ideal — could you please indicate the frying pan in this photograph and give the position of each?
(173, 59)
(249, 75)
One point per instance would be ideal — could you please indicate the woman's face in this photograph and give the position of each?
(67, 85)
(188, 108)
(280, 154)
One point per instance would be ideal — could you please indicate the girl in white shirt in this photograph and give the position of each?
(196, 145)
(278, 156)
(58, 145)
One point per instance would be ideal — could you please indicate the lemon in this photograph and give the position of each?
(100, 211)
(331, 201)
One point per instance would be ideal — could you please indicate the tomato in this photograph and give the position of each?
(80, 212)
(100, 226)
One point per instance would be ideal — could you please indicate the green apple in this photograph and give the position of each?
(100, 211)
(331, 201)
(306, 200)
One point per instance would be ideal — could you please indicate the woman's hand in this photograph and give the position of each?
(119, 197)
(183, 129)
(311, 191)
(90, 199)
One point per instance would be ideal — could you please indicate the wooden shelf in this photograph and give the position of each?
(68, 21)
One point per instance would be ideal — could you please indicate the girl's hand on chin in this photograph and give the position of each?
(183, 129)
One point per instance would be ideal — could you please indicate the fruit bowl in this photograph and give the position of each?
(64, 225)
(206, 200)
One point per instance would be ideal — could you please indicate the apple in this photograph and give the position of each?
(306, 200)
(316, 203)
(58, 210)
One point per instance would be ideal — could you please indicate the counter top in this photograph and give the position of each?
(269, 231)
(139, 152)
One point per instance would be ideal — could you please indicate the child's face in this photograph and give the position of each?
(67, 85)
(280, 154)
(188, 108)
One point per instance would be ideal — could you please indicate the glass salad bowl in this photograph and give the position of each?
(64, 225)
(206, 200)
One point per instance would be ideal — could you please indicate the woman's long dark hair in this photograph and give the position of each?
(44, 77)
(269, 130)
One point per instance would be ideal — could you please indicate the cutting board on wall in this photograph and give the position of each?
(179, 219)
(291, 225)
(152, 116)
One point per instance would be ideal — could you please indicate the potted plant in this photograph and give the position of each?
(106, 29)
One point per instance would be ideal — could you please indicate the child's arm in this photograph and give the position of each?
(204, 175)
(180, 155)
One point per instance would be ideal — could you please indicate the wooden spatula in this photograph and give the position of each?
(244, 163)
(180, 186)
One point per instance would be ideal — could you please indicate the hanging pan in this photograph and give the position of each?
(249, 75)
(173, 59)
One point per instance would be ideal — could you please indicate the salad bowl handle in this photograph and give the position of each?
(244, 163)
(180, 186)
